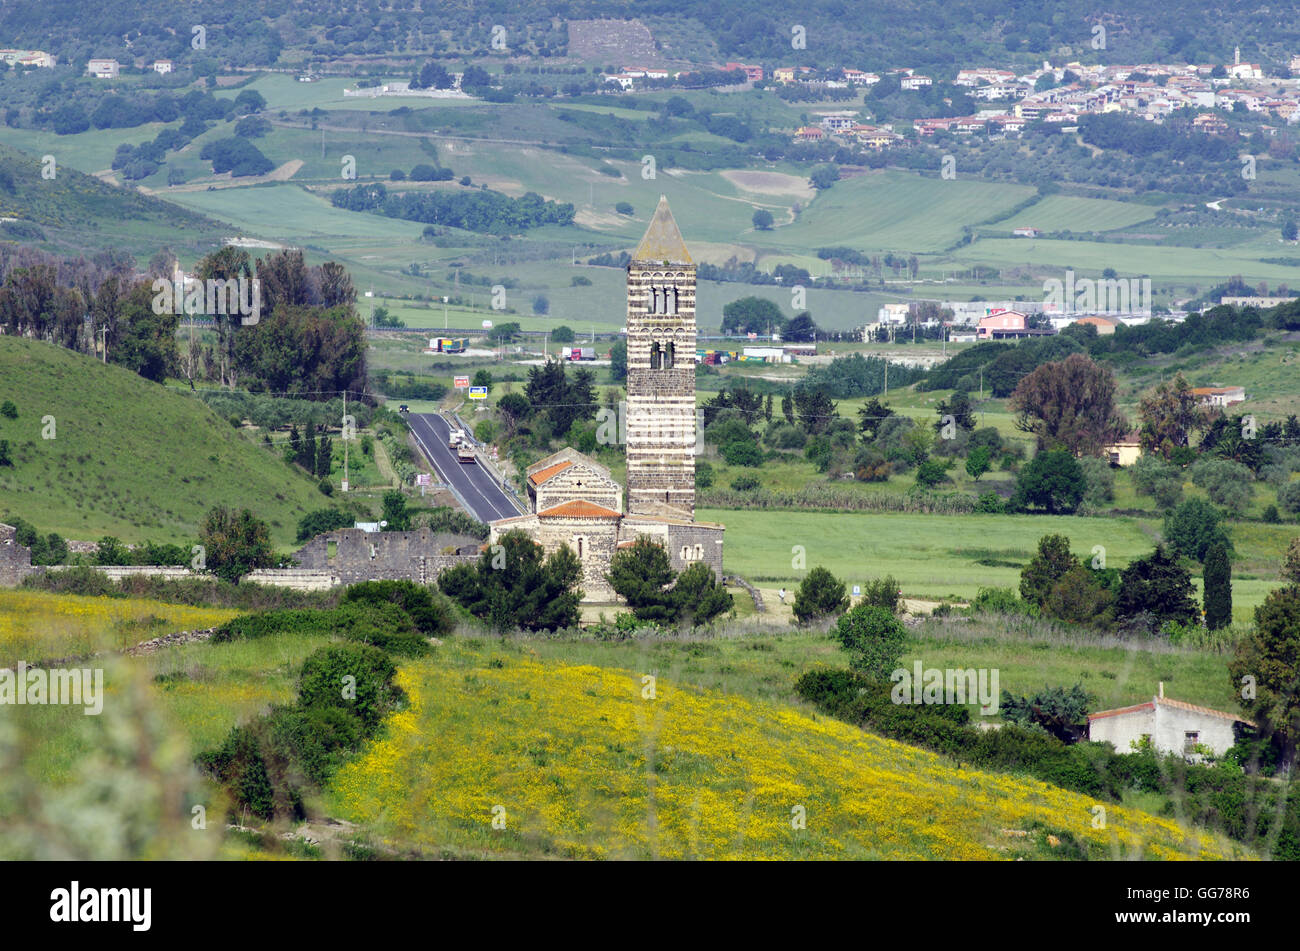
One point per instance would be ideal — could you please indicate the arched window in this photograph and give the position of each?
(579, 545)
(656, 357)
(668, 355)
(699, 552)
(670, 300)
(655, 306)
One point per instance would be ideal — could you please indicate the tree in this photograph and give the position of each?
(640, 574)
(819, 594)
(1062, 713)
(541, 305)
(1158, 587)
(1291, 566)
(1169, 416)
(1069, 405)
(618, 361)
(395, 512)
(432, 75)
(824, 176)
(698, 595)
(1194, 528)
(930, 473)
(1077, 597)
(787, 407)
(958, 406)
(801, 328)
(1290, 230)
(514, 585)
(763, 219)
(235, 543)
(1217, 587)
(562, 334)
(756, 315)
(874, 638)
(978, 462)
(322, 520)
(482, 378)
(324, 457)
(1270, 657)
(1052, 481)
(1047, 567)
(871, 415)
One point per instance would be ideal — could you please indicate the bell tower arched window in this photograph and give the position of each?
(669, 349)
(656, 356)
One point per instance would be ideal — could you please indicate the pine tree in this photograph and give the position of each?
(787, 407)
(1218, 587)
(767, 408)
(295, 441)
(306, 455)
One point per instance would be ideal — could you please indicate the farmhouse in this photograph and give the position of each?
(1171, 726)
(104, 68)
(1220, 396)
(1001, 320)
(753, 73)
(573, 499)
(1124, 452)
(162, 66)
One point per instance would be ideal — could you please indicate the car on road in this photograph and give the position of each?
(403, 408)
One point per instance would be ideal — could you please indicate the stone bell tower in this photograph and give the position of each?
(661, 373)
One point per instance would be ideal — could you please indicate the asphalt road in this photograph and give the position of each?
(486, 499)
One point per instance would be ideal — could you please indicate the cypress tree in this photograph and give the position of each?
(1218, 587)
(324, 450)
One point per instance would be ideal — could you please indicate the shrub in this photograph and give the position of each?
(930, 473)
(819, 594)
(1099, 482)
(1154, 477)
(882, 593)
(997, 601)
(1226, 483)
(1271, 515)
(8, 409)
(322, 520)
(991, 503)
(745, 483)
(1052, 481)
(703, 475)
(1288, 497)
(874, 638)
(356, 678)
(431, 615)
(743, 452)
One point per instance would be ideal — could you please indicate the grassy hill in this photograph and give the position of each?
(129, 458)
(77, 212)
(578, 762)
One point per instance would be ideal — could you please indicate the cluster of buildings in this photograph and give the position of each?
(111, 68)
(1151, 91)
(36, 58)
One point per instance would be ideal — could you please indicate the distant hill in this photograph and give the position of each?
(129, 458)
(75, 212)
(934, 34)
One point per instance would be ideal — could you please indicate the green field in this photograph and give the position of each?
(939, 556)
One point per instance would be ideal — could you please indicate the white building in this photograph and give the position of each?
(104, 68)
(1172, 726)
(162, 66)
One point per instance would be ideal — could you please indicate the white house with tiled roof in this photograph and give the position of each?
(1172, 726)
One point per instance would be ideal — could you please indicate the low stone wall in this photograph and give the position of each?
(118, 572)
(299, 579)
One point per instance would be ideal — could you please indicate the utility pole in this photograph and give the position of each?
(886, 376)
(103, 333)
(981, 382)
(345, 441)
(444, 311)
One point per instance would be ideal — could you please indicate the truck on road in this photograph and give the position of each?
(453, 440)
(465, 452)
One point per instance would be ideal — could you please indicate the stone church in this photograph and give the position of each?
(572, 497)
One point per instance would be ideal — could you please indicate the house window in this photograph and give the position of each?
(699, 552)
(579, 545)
(1190, 740)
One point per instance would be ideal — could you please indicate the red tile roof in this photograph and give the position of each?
(550, 472)
(1177, 704)
(579, 508)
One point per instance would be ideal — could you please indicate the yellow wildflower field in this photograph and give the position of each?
(36, 625)
(534, 758)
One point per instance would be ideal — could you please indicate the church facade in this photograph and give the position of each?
(573, 499)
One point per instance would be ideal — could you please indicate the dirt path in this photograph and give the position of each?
(282, 174)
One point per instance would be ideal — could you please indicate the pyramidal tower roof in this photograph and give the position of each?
(662, 240)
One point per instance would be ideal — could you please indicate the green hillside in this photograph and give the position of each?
(129, 458)
(77, 212)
